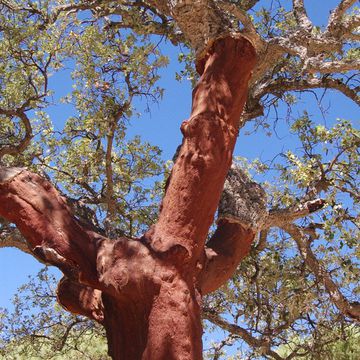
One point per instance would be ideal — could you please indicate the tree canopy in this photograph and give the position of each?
(295, 294)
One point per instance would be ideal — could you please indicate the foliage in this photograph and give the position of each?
(90, 155)
(274, 295)
(345, 348)
(38, 328)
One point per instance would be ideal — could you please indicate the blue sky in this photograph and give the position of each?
(161, 127)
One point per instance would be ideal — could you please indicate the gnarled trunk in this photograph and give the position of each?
(165, 326)
(147, 292)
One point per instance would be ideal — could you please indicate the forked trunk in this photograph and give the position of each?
(170, 327)
(147, 292)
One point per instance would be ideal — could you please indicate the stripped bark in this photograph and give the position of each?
(206, 152)
(230, 243)
(147, 292)
(150, 288)
(46, 222)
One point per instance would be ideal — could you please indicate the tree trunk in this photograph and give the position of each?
(165, 326)
(147, 292)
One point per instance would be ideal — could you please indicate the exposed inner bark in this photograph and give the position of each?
(46, 221)
(147, 292)
(227, 247)
(199, 173)
(81, 299)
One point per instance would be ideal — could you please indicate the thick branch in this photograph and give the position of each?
(239, 14)
(230, 243)
(11, 237)
(46, 222)
(200, 21)
(281, 217)
(80, 299)
(337, 14)
(242, 210)
(352, 23)
(327, 67)
(301, 15)
(249, 28)
(353, 37)
(322, 276)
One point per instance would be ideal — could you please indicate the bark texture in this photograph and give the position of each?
(198, 175)
(243, 201)
(227, 247)
(147, 292)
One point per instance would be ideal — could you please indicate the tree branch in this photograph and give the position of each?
(280, 85)
(217, 348)
(109, 174)
(248, 4)
(315, 65)
(337, 14)
(285, 216)
(239, 14)
(301, 16)
(95, 196)
(201, 22)
(230, 243)
(261, 245)
(67, 333)
(46, 221)
(11, 237)
(69, 8)
(191, 199)
(241, 213)
(80, 299)
(261, 344)
(249, 28)
(24, 143)
(347, 27)
(322, 276)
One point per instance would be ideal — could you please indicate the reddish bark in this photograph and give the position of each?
(147, 292)
(164, 325)
(199, 173)
(81, 299)
(47, 223)
(230, 243)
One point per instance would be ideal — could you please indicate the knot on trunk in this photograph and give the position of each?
(242, 201)
(80, 299)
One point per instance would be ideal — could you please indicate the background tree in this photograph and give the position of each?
(281, 304)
